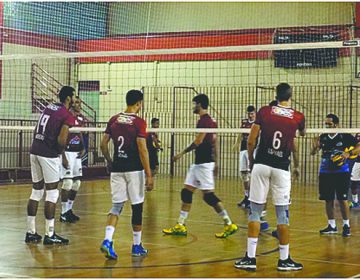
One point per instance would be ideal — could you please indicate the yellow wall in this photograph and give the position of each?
(133, 18)
(125, 76)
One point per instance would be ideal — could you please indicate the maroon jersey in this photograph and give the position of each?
(278, 129)
(124, 129)
(245, 123)
(47, 130)
(205, 152)
(74, 142)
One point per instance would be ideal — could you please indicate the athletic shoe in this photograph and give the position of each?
(275, 234)
(353, 205)
(228, 230)
(329, 230)
(245, 203)
(346, 231)
(66, 218)
(289, 264)
(55, 239)
(107, 248)
(178, 229)
(73, 216)
(246, 263)
(32, 237)
(264, 226)
(138, 251)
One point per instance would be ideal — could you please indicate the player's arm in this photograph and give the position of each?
(315, 145)
(251, 144)
(355, 151)
(236, 146)
(198, 140)
(105, 149)
(83, 151)
(144, 157)
(62, 138)
(295, 154)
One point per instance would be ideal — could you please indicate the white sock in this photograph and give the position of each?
(70, 204)
(263, 213)
(137, 237)
(49, 227)
(355, 198)
(284, 252)
(251, 247)
(225, 217)
(64, 207)
(183, 216)
(346, 222)
(31, 224)
(332, 223)
(246, 193)
(109, 232)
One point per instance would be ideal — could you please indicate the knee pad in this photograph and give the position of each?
(52, 195)
(137, 210)
(37, 194)
(282, 214)
(245, 176)
(186, 195)
(116, 208)
(211, 199)
(76, 185)
(255, 211)
(67, 184)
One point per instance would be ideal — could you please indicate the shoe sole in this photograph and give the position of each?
(139, 255)
(329, 233)
(246, 267)
(176, 233)
(56, 243)
(32, 241)
(289, 268)
(107, 254)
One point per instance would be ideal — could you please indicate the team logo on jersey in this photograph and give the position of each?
(339, 144)
(283, 112)
(53, 107)
(125, 119)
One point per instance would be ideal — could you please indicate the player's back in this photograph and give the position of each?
(47, 130)
(124, 129)
(205, 152)
(278, 130)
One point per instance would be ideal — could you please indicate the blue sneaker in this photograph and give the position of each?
(264, 226)
(107, 248)
(138, 251)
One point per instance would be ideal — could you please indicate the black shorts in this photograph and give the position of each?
(331, 183)
(154, 160)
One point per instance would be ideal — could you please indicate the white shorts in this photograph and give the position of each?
(355, 173)
(244, 161)
(263, 178)
(43, 168)
(201, 176)
(128, 186)
(75, 166)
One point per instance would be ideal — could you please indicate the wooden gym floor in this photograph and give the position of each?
(199, 254)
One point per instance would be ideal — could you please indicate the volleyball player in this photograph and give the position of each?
(72, 166)
(127, 179)
(278, 125)
(200, 175)
(49, 141)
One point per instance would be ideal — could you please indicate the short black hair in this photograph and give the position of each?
(202, 99)
(154, 120)
(133, 96)
(334, 118)
(250, 109)
(283, 92)
(64, 92)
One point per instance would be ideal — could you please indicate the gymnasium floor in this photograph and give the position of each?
(198, 255)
